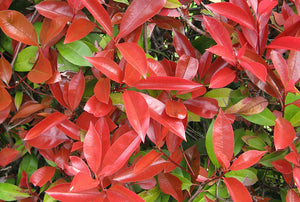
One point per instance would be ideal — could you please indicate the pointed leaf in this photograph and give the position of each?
(5, 99)
(7, 155)
(70, 129)
(76, 4)
(47, 123)
(100, 14)
(53, 9)
(108, 67)
(83, 181)
(134, 55)
(223, 140)
(280, 66)
(137, 112)
(296, 176)
(166, 83)
(5, 70)
(42, 175)
(292, 196)
(79, 29)
(223, 52)
(97, 108)
(183, 45)
(237, 190)
(155, 68)
(293, 62)
(248, 106)
(222, 78)
(4, 4)
(169, 184)
(42, 70)
(282, 166)
(176, 109)
(286, 42)
(77, 165)
(76, 89)
(120, 193)
(146, 161)
(11, 192)
(102, 90)
(92, 149)
(203, 106)
(187, 67)
(234, 13)
(119, 153)
(257, 69)
(284, 133)
(28, 110)
(247, 159)
(16, 26)
(144, 9)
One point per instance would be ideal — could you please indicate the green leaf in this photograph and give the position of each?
(117, 100)
(209, 145)
(265, 118)
(295, 120)
(18, 99)
(150, 195)
(247, 176)
(202, 43)
(186, 183)
(291, 110)
(65, 65)
(6, 43)
(122, 1)
(268, 158)
(221, 95)
(10, 192)
(238, 142)
(26, 59)
(74, 52)
(29, 164)
(172, 4)
(254, 142)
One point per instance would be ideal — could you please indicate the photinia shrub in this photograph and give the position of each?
(149, 100)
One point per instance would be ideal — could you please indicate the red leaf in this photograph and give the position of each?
(103, 129)
(286, 42)
(5, 70)
(247, 159)
(42, 175)
(77, 165)
(57, 92)
(137, 112)
(132, 76)
(102, 90)
(42, 70)
(183, 45)
(292, 196)
(7, 155)
(169, 184)
(16, 26)
(76, 89)
(157, 112)
(218, 32)
(155, 68)
(234, 13)
(92, 149)
(223, 140)
(97, 108)
(27, 111)
(44, 125)
(193, 158)
(4, 4)
(144, 9)
(223, 52)
(61, 192)
(4, 113)
(120, 193)
(134, 55)
(176, 109)
(100, 14)
(203, 106)
(83, 181)
(79, 29)
(282, 166)
(70, 129)
(53, 9)
(257, 69)
(147, 184)
(5, 99)
(296, 176)
(222, 78)
(108, 67)
(187, 67)
(146, 161)
(76, 4)
(294, 71)
(166, 83)
(284, 133)
(119, 152)
(237, 190)
(176, 156)
(204, 64)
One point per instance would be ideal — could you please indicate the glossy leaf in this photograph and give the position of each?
(83, 181)
(155, 68)
(119, 153)
(108, 67)
(144, 9)
(70, 129)
(223, 52)
(147, 184)
(47, 123)
(7, 155)
(76, 89)
(16, 26)
(42, 70)
(257, 69)
(203, 106)
(134, 55)
(176, 109)
(42, 175)
(5, 70)
(248, 106)
(4, 113)
(4, 4)
(137, 112)
(286, 42)
(92, 149)
(102, 90)
(166, 83)
(187, 67)
(183, 45)
(282, 166)
(97, 108)
(53, 9)
(296, 176)
(5, 99)
(280, 66)
(265, 118)
(247, 159)
(28, 110)
(76, 4)
(292, 62)
(223, 140)
(11, 192)
(169, 184)
(79, 29)
(284, 133)
(222, 78)
(234, 13)
(120, 193)
(237, 190)
(61, 192)
(292, 196)
(146, 161)
(100, 14)
(103, 128)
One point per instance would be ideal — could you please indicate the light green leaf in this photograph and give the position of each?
(65, 65)
(246, 176)
(193, 117)
(209, 145)
(117, 100)
(238, 142)
(254, 142)
(150, 195)
(26, 59)
(74, 52)
(10, 192)
(186, 183)
(18, 99)
(29, 164)
(172, 4)
(122, 1)
(221, 95)
(265, 118)
(295, 120)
